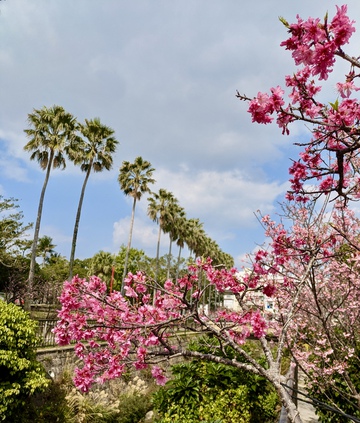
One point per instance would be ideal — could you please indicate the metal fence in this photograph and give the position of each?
(45, 327)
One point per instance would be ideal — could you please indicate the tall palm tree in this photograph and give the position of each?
(174, 213)
(94, 153)
(157, 211)
(51, 129)
(195, 236)
(134, 179)
(181, 235)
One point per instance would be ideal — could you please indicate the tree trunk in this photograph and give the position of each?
(30, 281)
(169, 258)
(289, 405)
(77, 220)
(178, 263)
(128, 246)
(157, 255)
(157, 262)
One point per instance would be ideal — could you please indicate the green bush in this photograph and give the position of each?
(133, 407)
(20, 374)
(45, 407)
(211, 392)
(216, 406)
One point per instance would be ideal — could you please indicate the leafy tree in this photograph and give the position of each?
(50, 279)
(134, 179)
(14, 267)
(21, 374)
(81, 267)
(94, 153)
(50, 131)
(13, 231)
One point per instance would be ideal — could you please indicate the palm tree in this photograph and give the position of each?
(157, 211)
(195, 236)
(101, 265)
(94, 152)
(51, 129)
(45, 247)
(173, 216)
(134, 179)
(181, 235)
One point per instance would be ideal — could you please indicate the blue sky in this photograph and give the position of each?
(163, 75)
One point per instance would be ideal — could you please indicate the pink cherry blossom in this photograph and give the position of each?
(316, 45)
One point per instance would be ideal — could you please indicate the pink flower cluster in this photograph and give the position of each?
(315, 44)
(89, 316)
(263, 106)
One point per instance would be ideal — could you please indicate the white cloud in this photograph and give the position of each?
(229, 198)
(145, 234)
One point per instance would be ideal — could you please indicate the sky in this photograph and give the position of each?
(162, 74)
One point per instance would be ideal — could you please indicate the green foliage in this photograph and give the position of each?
(216, 405)
(94, 407)
(133, 407)
(263, 399)
(101, 265)
(44, 407)
(21, 374)
(12, 229)
(137, 261)
(14, 266)
(206, 391)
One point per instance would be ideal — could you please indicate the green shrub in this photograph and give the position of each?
(21, 375)
(200, 391)
(45, 407)
(133, 407)
(216, 406)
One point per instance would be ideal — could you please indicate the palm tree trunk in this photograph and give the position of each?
(178, 263)
(157, 255)
(30, 281)
(157, 262)
(128, 246)
(169, 259)
(77, 220)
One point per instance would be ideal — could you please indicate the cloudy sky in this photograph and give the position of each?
(163, 74)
